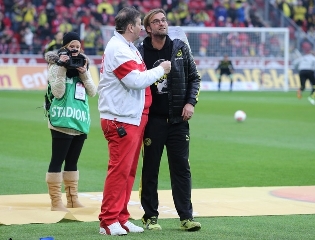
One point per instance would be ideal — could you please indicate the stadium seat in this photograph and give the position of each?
(202, 5)
(193, 5)
(197, 5)
(146, 4)
(210, 13)
(155, 4)
(78, 3)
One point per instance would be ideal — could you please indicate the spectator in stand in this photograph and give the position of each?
(209, 4)
(310, 18)
(99, 46)
(173, 17)
(201, 17)
(29, 13)
(7, 34)
(42, 19)
(7, 7)
(232, 12)
(65, 26)
(299, 13)
(4, 22)
(239, 3)
(4, 46)
(122, 4)
(170, 3)
(37, 47)
(220, 22)
(89, 41)
(238, 24)
(220, 14)
(105, 5)
(286, 8)
(55, 44)
(116, 7)
(104, 17)
(17, 16)
(189, 21)
(76, 23)
(229, 22)
(56, 23)
(167, 9)
(51, 14)
(241, 13)
(14, 46)
(61, 9)
(225, 3)
(87, 15)
(44, 33)
(27, 41)
(308, 3)
(182, 10)
(255, 19)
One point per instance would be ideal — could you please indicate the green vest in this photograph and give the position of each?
(72, 110)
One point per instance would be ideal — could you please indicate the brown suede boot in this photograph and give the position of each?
(54, 181)
(71, 179)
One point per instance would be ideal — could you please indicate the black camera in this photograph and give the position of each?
(73, 62)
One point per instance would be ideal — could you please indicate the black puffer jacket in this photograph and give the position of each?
(183, 80)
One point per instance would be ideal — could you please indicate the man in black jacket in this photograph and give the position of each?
(55, 44)
(174, 97)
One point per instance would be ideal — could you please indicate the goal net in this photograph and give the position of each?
(260, 56)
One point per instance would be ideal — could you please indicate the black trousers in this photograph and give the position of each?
(159, 133)
(220, 78)
(304, 75)
(65, 148)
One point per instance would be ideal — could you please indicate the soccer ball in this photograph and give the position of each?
(240, 116)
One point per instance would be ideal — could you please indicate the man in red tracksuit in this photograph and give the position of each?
(123, 104)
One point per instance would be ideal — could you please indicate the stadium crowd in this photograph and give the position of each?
(27, 26)
(301, 12)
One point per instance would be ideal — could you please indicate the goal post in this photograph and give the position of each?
(260, 56)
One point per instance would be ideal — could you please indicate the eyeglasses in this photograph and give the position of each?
(158, 21)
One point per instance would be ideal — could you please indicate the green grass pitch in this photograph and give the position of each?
(274, 146)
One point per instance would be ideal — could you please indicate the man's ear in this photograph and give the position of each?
(148, 29)
(130, 28)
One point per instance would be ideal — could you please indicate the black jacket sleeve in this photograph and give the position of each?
(194, 79)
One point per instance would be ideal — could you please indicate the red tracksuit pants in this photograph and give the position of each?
(122, 166)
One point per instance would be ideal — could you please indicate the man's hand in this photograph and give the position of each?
(188, 111)
(167, 66)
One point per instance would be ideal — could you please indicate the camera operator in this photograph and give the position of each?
(71, 59)
(69, 85)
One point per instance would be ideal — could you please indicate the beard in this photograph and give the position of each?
(159, 34)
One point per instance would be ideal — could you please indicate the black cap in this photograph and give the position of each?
(70, 36)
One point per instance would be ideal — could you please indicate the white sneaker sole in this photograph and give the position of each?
(311, 100)
(103, 232)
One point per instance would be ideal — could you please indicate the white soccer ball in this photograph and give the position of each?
(240, 116)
